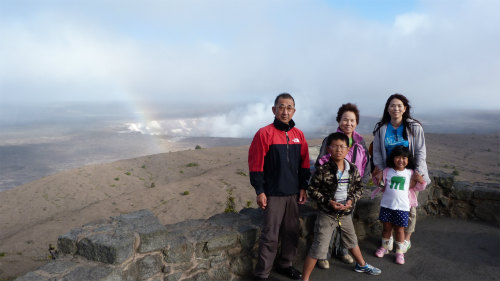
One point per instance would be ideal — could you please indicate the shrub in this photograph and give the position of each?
(117, 179)
(192, 164)
(230, 205)
(455, 172)
(128, 173)
(185, 193)
(197, 146)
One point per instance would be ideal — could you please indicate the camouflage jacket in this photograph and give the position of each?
(323, 185)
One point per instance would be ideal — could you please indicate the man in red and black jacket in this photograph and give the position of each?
(278, 161)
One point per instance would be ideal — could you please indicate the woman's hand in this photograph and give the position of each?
(377, 175)
(417, 177)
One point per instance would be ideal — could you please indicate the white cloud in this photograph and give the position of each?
(412, 22)
(246, 52)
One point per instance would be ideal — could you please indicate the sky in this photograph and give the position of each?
(199, 57)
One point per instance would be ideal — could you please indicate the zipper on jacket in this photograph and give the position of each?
(287, 151)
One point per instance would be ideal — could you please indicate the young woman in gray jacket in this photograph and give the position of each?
(396, 128)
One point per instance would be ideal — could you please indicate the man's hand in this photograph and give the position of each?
(262, 200)
(302, 196)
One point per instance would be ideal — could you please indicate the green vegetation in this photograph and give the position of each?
(230, 205)
(197, 146)
(249, 204)
(128, 173)
(181, 171)
(153, 185)
(117, 179)
(143, 166)
(2, 254)
(455, 172)
(192, 164)
(185, 193)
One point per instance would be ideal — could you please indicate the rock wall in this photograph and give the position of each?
(136, 246)
(477, 201)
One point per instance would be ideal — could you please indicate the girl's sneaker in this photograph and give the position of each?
(381, 252)
(391, 244)
(407, 246)
(400, 258)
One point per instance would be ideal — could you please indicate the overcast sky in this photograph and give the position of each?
(442, 54)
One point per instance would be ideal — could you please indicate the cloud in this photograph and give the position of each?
(410, 23)
(439, 54)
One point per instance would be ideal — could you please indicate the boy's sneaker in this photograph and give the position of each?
(381, 251)
(367, 269)
(347, 259)
(391, 244)
(406, 246)
(323, 264)
(400, 258)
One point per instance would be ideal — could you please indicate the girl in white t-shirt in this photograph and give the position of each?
(397, 199)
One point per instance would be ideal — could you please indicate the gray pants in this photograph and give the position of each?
(281, 220)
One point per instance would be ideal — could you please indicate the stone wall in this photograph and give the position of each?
(443, 197)
(136, 246)
(477, 201)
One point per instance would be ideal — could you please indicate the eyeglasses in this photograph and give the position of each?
(338, 147)
(283, 107)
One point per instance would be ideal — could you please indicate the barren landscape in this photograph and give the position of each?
(176, 186)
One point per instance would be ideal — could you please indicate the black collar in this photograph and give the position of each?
(282, 126)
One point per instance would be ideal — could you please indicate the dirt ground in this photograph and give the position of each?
(195, 184)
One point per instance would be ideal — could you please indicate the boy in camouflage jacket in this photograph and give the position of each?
(336, 186)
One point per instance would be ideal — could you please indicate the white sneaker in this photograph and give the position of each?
(406, 246)
(323, 264)
(347, 259)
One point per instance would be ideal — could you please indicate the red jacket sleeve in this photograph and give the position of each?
(256, 154)
(305, 171)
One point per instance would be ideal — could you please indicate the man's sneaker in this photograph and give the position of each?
(400, 258)
(367, 269)
(323, 264)
(347, 259)
(290, 272)
(391, 244)
(406, 246)
(381, 251)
